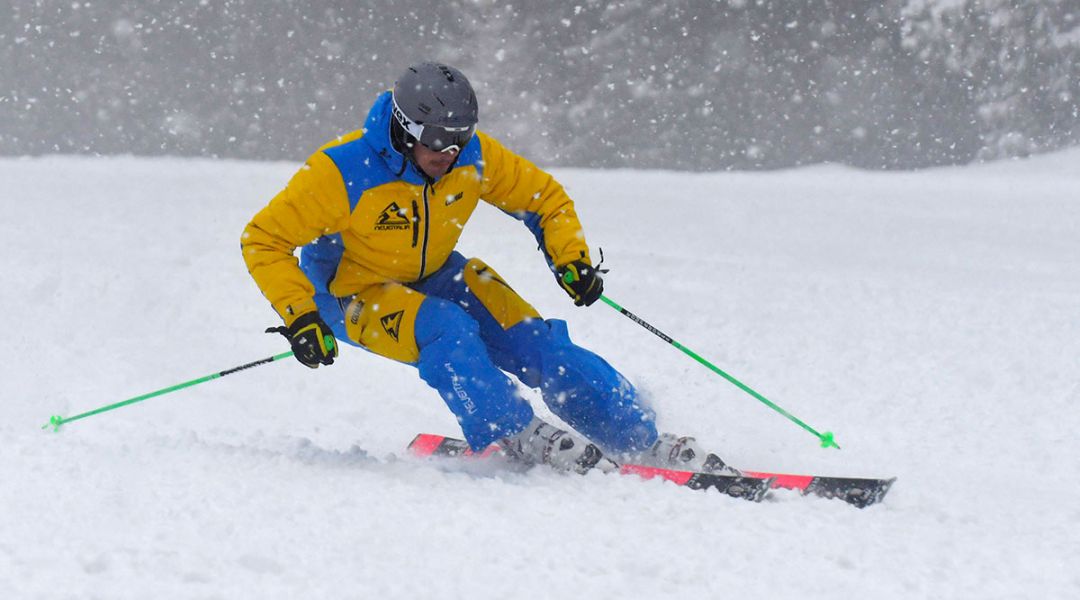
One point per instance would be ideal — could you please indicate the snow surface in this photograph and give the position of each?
(930, 319)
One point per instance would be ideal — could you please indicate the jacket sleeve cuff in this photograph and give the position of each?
(294, 310)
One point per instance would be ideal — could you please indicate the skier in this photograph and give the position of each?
(379, 212)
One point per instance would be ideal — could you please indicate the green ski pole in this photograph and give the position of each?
(826, 438)
(56, 421)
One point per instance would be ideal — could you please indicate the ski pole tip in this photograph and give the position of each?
(827, 440)
(55, 422)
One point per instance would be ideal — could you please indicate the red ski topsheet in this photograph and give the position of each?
(855, 491)
(427, 444)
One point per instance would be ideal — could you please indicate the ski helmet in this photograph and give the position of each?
(436, 105)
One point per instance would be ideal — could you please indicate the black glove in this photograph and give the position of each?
(582, 281)
(312, 341)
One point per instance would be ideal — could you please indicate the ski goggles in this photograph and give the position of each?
(434, 137)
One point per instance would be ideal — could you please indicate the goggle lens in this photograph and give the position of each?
(445, 139)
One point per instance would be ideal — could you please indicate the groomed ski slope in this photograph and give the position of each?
(930, 319)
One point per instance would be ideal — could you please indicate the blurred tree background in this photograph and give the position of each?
(691, 84)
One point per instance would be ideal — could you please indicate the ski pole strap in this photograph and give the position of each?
(826, 438)
(56, 420)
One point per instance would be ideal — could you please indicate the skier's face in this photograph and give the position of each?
(433, 164)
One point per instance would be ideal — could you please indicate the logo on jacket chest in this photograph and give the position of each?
(392, 217)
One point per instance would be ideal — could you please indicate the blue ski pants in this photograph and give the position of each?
(465, 329)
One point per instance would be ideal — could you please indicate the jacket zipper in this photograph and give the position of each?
(415, 223)
(427, 227)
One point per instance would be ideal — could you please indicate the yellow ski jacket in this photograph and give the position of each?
(366, 215)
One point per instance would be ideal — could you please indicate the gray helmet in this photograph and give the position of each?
(436, 105)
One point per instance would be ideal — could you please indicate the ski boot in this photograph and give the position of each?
(684, 454)
(543, 443)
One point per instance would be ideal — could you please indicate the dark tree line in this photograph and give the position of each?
(690, 84)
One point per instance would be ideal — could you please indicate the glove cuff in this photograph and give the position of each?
(306, 319)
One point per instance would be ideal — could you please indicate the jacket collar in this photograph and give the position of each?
(377, 135)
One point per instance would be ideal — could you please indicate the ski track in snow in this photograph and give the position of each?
(930, 319)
